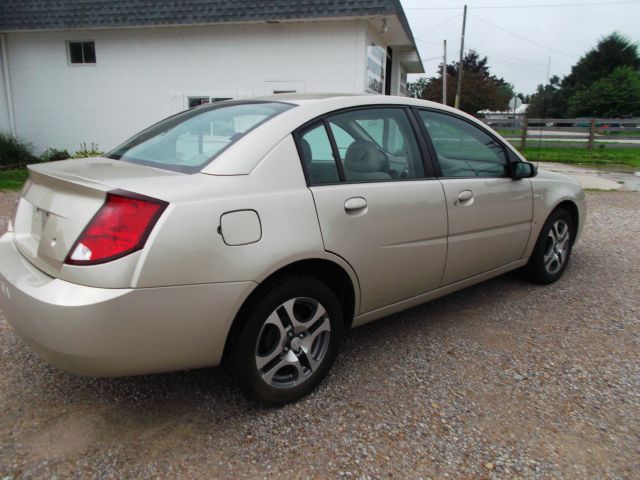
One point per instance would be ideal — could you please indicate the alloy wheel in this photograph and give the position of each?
(293, 342)
(557, 247)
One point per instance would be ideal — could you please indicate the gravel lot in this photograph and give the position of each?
(502, 380)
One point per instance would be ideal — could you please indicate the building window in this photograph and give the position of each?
(82, 53)
(195, 101)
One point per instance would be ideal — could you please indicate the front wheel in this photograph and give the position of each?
(552, 250)
(289, 340)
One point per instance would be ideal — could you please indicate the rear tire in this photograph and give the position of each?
(552, 251)
(289, 339)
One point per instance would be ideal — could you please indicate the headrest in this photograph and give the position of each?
(364, 157)
(306, 152)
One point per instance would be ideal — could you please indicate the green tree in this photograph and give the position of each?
(614, 95)
(480, 89)
(416, 89)
(611, 52)
(544, 103)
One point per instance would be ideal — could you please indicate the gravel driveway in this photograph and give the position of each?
(501, 380)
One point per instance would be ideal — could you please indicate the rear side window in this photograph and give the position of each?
(190, 140)
(463, 149)
(361, 145)
(376, 144)
(317, 155)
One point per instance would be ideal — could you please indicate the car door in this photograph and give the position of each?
(490, 214)
(376, 207)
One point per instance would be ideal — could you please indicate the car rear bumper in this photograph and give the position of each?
(112, 332)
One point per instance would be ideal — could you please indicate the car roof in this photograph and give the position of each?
(359, 98)
(301, 98)
(243, 156)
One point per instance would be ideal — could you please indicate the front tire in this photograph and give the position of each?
(289, 339)
(552, 250)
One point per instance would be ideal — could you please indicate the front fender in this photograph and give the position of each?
(550, 189)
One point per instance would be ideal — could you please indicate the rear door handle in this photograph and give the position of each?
(465, 196)
(355, 205)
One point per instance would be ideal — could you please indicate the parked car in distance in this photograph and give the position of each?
(256, 232)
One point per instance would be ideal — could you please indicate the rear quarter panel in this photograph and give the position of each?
(187, 247)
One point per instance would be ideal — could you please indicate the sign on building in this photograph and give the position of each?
(376, 66)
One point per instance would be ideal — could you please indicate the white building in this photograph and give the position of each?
(504, 118)
(77, 71)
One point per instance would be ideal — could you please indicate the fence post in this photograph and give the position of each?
(523, 137)
(592, 133)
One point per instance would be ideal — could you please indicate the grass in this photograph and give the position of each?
(599, 156)
(546, 144)
(12, 179)
(509, 133)
(628, 133)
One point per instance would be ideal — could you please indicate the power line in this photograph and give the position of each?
(547, 5)
(427, 43)
(439, 57)
(440, 25)
(516, 66)
(508, 57)
(533, 42)
(507, 60)
(491, 54)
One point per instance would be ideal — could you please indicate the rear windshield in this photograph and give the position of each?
(189, 140)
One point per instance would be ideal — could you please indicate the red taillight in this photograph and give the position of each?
(120, 227)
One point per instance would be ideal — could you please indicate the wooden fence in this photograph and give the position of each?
(581, 130)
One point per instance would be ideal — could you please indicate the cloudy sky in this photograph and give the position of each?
(520, 38)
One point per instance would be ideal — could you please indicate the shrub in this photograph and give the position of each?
(51, 154)
(14, 152)
(86, 152)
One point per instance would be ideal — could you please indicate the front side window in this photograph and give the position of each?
(82, 53)
(376, 144)
(188, 141)
(463, 149)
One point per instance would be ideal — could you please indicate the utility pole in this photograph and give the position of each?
(548, 68)
(464, 24)
(444, 75)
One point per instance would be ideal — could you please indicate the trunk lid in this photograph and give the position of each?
(61, 198)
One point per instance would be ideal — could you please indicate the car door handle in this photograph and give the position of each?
(355, 205)
(465, 196)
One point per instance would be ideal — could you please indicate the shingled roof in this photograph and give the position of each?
(83, 14)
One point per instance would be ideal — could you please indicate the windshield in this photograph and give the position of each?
(189, 140)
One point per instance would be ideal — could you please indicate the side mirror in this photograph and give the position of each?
(520, 170)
